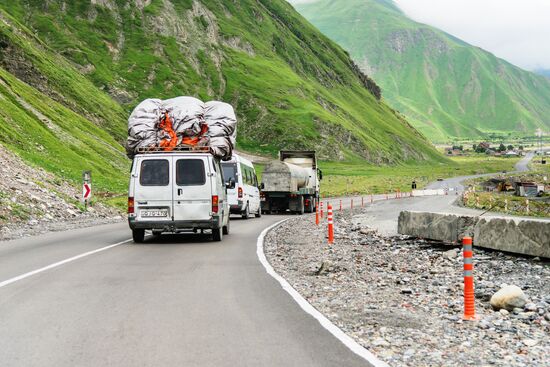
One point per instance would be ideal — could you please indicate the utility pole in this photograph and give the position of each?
(539, 134)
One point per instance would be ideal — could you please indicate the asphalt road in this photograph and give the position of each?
(175, 301)
(456, 182)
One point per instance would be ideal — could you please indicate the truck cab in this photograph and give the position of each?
(176, 192)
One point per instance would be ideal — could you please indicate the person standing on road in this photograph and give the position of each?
(413, 186)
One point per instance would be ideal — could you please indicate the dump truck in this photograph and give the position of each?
(291, 183)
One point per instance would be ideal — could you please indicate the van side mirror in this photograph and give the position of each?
(262, 186)
(230, 184)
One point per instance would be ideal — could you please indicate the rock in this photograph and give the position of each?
(517, 310)
(530, 307)
(547, 316)
(451, 254)
(504, 311)
(323, 269)
(508, 297)
(530, 342)
(406, 291)
(483, 325)
(380, 342)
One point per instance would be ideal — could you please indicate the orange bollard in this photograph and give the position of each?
(330, 225)
(469, 297)
(340, 204)
(321, 215)
(316, 215)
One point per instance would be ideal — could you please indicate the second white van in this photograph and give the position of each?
(244, 199)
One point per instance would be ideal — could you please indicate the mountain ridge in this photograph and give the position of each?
(291, 86)
(446, 87)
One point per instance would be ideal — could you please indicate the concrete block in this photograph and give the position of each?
(436, 226)
(522, 236)
(528, 237)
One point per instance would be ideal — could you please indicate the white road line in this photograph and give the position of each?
(307, 307)
(59, 263)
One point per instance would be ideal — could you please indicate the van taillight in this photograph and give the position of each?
(262, 195)
(130, 205)
(240, 192)
(215, 202)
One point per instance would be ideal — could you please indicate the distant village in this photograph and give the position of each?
(526, 185)
(502, 150)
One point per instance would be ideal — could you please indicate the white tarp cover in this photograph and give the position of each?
(188, 115)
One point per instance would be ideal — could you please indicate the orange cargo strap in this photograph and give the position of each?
(166, 125)
(193, 141)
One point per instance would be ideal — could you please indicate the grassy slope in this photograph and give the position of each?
(293, 88)
(47, 133)
(447, 87)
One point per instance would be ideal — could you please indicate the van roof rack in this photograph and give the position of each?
(179, 148)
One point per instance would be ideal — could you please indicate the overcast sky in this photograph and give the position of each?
(515, 30)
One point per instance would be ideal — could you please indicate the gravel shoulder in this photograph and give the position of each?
(401, 298)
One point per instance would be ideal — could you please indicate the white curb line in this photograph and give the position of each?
(308, 308)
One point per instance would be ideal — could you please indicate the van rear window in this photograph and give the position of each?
(229, 171)
(155, 172)
(190, 172)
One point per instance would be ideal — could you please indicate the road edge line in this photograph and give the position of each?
(338, 333)
(59, 263)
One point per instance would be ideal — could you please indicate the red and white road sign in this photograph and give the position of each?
(86, 191)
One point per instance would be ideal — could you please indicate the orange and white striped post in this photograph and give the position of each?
(340, 204)
(469, 297)
(330, 225)
(317, 215)
(321, 214)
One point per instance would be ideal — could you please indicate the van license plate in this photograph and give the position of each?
(154, 213)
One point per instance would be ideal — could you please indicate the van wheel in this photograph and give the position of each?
(138, 235)
(246, 212)
(217, 234)
(226, 228)
(259, 213)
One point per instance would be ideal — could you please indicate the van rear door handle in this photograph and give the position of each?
(180, 192)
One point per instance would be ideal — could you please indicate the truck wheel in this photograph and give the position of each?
(138, 235)
(226, 227)
(259, 213)
(217, 234)
(246, 213)
(301, 208)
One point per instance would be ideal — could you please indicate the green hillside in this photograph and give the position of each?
(446, 87)
(292, 87)
(62, 123)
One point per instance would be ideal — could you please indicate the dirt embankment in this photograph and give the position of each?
(33, 201)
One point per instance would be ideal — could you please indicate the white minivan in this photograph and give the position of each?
(177, 192)
(244, 198)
